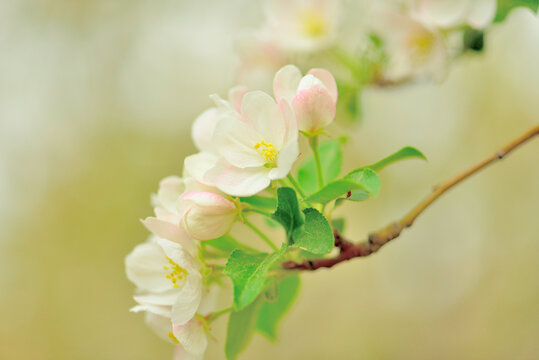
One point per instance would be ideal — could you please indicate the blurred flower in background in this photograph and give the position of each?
(96, 103)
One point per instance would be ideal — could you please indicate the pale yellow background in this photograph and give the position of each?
(96, 100)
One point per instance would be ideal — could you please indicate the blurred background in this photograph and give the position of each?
(96, 102)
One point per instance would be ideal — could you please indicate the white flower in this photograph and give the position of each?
(168, 280)
(302, 25)
(414, 49)
(206, 215)
(256, 145)
(313, 96)
(452, 13)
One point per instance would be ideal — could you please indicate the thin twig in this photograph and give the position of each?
(376, 240)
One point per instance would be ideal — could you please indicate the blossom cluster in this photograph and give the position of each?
(406, 39)
(246, 143)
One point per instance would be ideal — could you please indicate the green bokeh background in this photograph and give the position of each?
(96, 101)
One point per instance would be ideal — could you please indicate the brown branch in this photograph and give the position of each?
(376, 240)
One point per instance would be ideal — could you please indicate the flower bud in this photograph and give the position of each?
(313, 96)
(206, 215)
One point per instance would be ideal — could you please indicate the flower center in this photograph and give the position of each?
(312, 23)
(176, 273)
(267, 150)
(421, 44)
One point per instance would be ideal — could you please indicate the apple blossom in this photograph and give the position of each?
(414, 49)
(313, 96)
(168, 279)
(302, 25)
(257, 145)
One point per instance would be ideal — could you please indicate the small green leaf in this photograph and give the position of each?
(248, 274)
(361, 179)
(261, 202)
(271, 313)
(316, 236)
(240, 329)
(331, 160)
(288, 214)
(505, 7)
(404, 153)
(338, 224)
(369, 180)
(227, 244)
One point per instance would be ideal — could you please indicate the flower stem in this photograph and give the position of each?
(314, 146)
(261, 234)
(217, 314)
(258, 211)
(296, 186)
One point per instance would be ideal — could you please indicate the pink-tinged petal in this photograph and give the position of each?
(192, 336)
(197, 166)
(288, 155)
(206, 215)
(328, 80)
(285, 82)
(169, 231)
(239, 182)
(211, 201)
(481, 13)
(235, 96)
(315, 109)
(203, 128)
(144, 267)
(260, 111)
(235, 140)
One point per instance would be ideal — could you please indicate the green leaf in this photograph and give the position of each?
(227, 244)
(505, 7)
(288, 214)
(338, 224)
(240, 329)
(316, 236)
(349, 103)
(271, 313)
(368, 178)
(248, 274)
(261, 202)
(331, 160)
(360, 179)
(404, 153)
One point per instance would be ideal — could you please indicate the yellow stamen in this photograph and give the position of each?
(171, 335)
(176, 274)
(267, 150)
(312, 23)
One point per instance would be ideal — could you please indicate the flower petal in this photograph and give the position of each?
(169, 231)
(285, 82)
(203, 128)
(288, 155)
(481, 13)
(198, 164)
(328, 80)
(314, 108)
(261, 111)
(144, 267)
(235, 140)
(170, 189)
(188, 299)
(235, 96)
(192, 336)
(239, 182)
